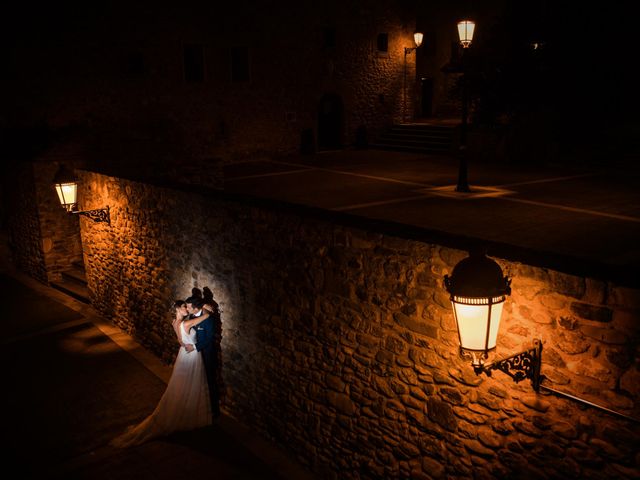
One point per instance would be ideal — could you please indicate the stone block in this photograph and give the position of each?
(433, 467)
(477, 448)
(469, 416)
(553, 301)
(630, 382)
(535, 402)
(565, 430)
(624, 297)
(442, 414)
(466, 377)
(341, 402)
(595, 313)
(490, 438)
(414, 325)
(605, 335)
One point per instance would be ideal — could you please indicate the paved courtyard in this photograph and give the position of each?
(585, 219)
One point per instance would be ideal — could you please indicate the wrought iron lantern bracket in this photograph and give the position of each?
(97, 215)
(520, 366)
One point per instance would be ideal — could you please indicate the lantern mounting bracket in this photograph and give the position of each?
(97, 215)
(525, 364)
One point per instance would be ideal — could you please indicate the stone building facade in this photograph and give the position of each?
(339, 342)
(174, 88)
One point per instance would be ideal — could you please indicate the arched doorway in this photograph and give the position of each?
(330, 122)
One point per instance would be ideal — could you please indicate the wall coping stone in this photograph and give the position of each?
(588, 268)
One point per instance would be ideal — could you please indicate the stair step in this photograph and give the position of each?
(74, 289)
(426, 126)
(422, 130)
(430, 148)
(402, 133)
(408, 148)
(418, 137)
(401, 139)
(75, 274)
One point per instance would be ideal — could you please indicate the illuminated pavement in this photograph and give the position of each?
(73, 382)
(576, 219)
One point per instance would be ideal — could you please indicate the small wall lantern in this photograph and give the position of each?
(478, 290)
(417, 38)
(465, 32)
(66, 186)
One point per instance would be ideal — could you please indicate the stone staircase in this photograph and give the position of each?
(74, 283)
(418, 137)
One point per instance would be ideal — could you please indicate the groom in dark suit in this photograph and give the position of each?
(206, 343)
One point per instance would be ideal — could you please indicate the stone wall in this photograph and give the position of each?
(23, 221)
(60, 231)
(340, 345)
(45, 239)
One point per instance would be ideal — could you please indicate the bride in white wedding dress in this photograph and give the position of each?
(185, 403)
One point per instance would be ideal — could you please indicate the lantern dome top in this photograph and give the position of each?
(477, 276)
(64, 175)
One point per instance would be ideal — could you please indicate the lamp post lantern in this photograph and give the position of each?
(417, 38)
(466, 28)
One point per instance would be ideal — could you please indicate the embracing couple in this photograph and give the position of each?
(197, 327)
(192, 397)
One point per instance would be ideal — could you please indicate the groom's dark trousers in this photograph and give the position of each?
(208, 343)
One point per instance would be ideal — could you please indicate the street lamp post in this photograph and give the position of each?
(465, 33)
(417, 38)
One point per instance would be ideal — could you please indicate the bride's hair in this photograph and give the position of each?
(178, 303)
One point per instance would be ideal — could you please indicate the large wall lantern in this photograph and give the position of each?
(66, 186)
(478, 290)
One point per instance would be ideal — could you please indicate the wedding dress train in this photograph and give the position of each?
(184, 405)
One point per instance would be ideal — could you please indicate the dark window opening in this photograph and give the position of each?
(239, 64)
(194, 63)
(134, 65)
(383, 42)
(329, 37)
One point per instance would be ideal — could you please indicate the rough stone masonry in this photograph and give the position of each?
(339, 343)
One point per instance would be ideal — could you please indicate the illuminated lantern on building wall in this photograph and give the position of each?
(66, 185)
(478, 290)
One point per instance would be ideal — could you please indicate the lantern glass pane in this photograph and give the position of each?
(417, 37)
(465, 31)
(67, 193)
(472, 324)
